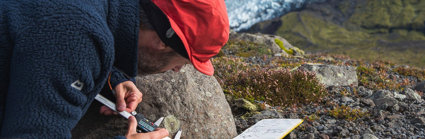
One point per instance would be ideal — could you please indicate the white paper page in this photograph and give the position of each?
(270, 129)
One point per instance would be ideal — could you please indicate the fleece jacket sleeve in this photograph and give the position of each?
(55, 67)
(117, 77)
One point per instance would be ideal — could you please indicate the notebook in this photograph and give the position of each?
(270, 129)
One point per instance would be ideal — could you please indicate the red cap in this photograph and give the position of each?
(202, 26)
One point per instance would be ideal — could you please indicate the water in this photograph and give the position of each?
(245, 13)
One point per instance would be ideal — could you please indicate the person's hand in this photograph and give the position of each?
(159, 133)
(127, 97)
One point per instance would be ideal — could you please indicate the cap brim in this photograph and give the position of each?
(204, 67)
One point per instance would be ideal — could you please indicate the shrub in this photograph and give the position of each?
(409, 71)
(376, 76)
(278, 87)
(346, 112)
(245, 48)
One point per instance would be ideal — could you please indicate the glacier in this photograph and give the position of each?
(245, 13)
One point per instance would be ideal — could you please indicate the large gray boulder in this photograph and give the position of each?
(190, 100)
(332, 75)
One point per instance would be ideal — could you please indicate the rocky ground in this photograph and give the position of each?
(389, 114)
(390, 105)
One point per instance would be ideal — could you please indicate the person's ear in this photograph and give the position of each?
(162, 46)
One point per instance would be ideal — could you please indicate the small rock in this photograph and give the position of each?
(171, 123)
(315, 123)
(324, 136)
(332, 75)
(377, 128)
(383, 94)
(331, 121)
(293, 116)
(245, 104)
(320, 128)
(395, 108)
(399, 96)
(309, 136)
(292, 135)
(419, 120)
(356, 137)
(369, 136)
(364, 92)
(346, 99)
(420, 86)
(394, 117)
(229, 98)
(266, 114)
(311, 129)
(403, 106)
(344, 132)
(367, 102)
(412, 95)
(384, 99)
(241, 125)
(390, 124)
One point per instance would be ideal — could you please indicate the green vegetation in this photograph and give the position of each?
(348, 113)
(278, 87)
(278, 83)
(246, 48)
(411, 71)
(376, 76)
(390, 30)
(311, 118)
(280, 43)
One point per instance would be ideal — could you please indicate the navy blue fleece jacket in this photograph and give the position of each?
(56, 55)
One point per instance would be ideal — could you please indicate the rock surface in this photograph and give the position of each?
(384, 99)
(245, 104)
(269, 40)
(420, 86)
(195, 100)
(331, 75)
(413, 95)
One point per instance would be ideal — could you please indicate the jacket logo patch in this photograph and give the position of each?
(170, 32)
(77, 85)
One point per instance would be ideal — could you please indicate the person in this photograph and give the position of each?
(56, 56)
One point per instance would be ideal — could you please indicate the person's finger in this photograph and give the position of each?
(160, 133)
(107, 111)
(132, 125)
(120, 92)
(137, 92)
(104, 110)
(132, 102)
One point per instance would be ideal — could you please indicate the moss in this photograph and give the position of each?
(311, 118)
(280, 43)
(246, 48)
(245, 104)
(348, 113)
